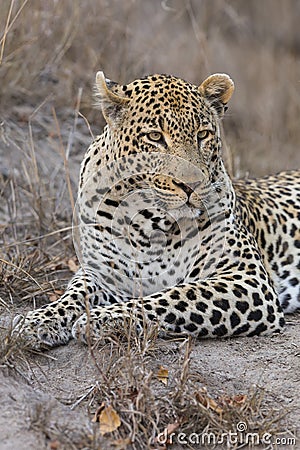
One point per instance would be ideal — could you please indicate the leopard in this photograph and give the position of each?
(164, 235)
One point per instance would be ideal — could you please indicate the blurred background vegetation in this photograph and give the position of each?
(51, 50)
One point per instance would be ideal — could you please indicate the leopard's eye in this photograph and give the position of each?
(155, 136)
(203, 135)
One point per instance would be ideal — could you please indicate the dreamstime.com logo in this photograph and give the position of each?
(231, 438)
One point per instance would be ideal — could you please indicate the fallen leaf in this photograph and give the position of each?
(55, 295)
(171, 427)
(207, 401)
(163, 375)
(164, 436)
(109, 420)
(235, 400)
(121, 444)
(73, 266)
(54, 445)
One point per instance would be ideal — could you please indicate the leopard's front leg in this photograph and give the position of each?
(51, 324)
(219, 307)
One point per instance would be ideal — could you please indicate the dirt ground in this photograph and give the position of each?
(39, 408)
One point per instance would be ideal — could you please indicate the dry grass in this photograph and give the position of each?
(35, 243)
(152, 411)
(49, 53)
(153, 404)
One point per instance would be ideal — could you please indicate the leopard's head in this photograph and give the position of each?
(165, 131)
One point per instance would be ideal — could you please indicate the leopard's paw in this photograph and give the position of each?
(88, 327)
(97, 323)
(41, 332)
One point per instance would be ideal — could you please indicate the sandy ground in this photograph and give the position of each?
(46, 399)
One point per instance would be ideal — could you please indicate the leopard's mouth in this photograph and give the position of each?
(193, 198)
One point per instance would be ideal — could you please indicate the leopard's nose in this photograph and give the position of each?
(187, 188)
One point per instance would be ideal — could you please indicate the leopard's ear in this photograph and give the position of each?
(112, 103)
(217, 89)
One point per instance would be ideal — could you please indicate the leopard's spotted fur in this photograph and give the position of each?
(165, 234)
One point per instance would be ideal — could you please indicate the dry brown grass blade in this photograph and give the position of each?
(3, 39)
(65, 159)
(39, 238)
(9, 25)
(9, 263)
